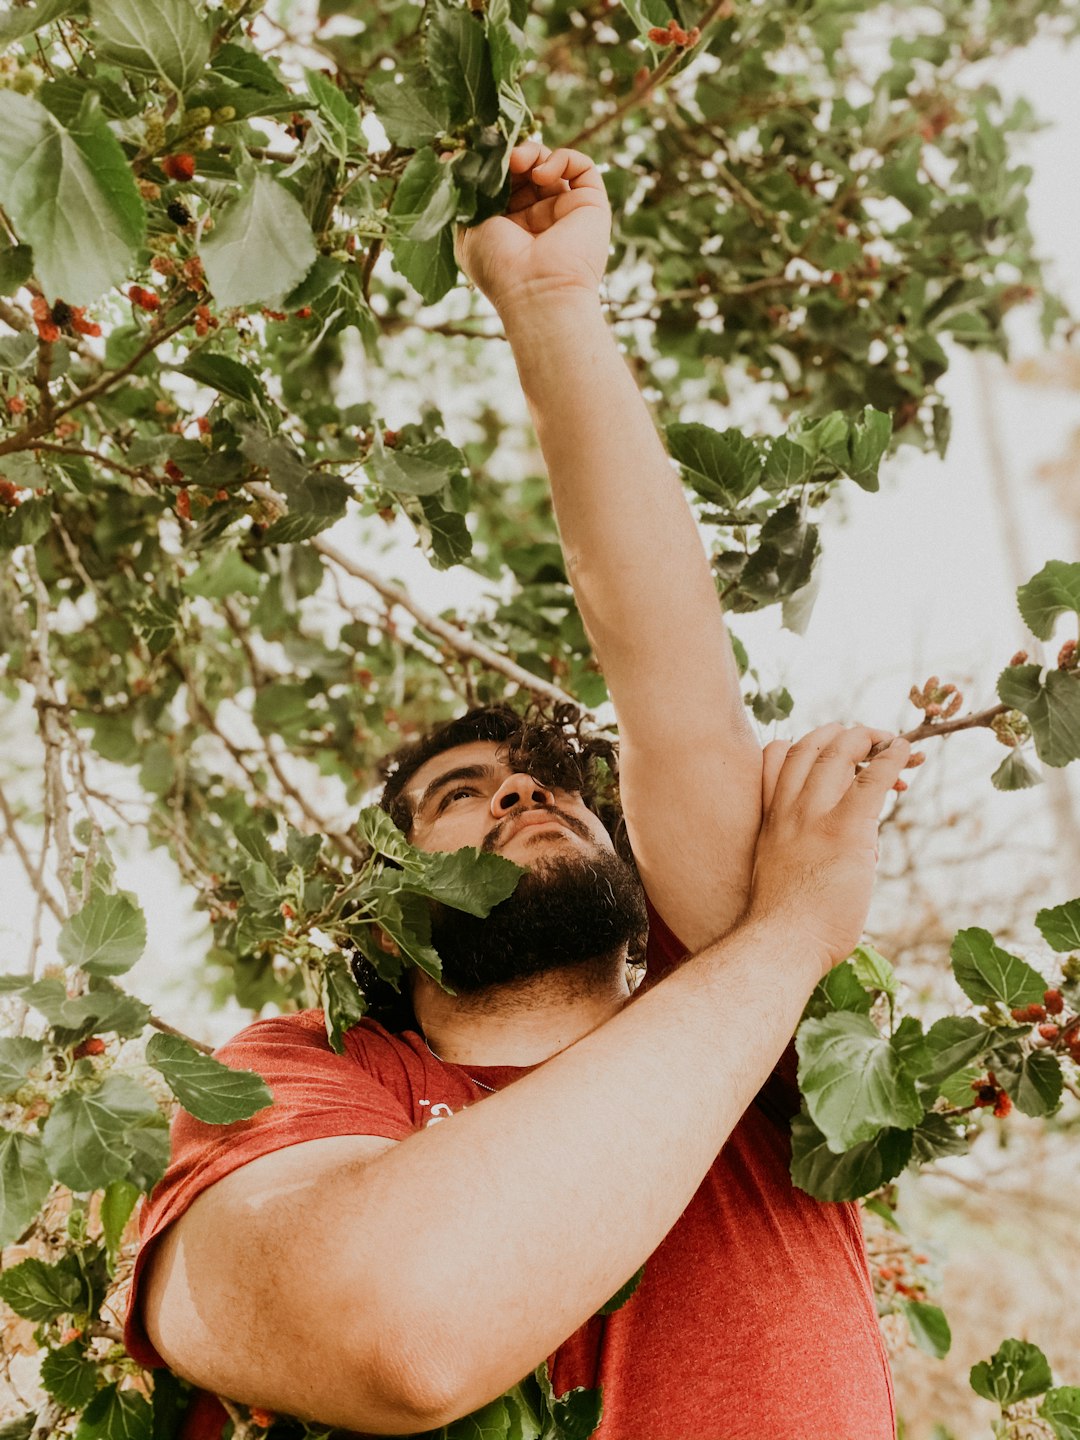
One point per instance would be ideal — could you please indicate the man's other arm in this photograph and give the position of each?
(396, 1289)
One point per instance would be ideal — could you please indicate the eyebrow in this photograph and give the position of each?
(463, 772)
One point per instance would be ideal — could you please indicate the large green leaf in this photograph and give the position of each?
(1061, 1409)
(869, 439)
(419, 470)
(204, 1086)
(858, 1171)
(18, 1056)
(929, 1327)
(228, 377)
(91, 1136)
(1032, 1079)
(470, 880)
(261, 245)
(1016, 1371)
(413, 112)
(116, 1206)
(723, 467)
(1060, 925)
(337, 120)
(105, 937)
(27, 18)
(954, 1042)
(1052, 705)
(428, 265)
(38, 1291)
(342, 1003)
(1054, 591)
(987, 973)
(460, 64)
(168, 39)
(116, 1414)
(68, 1376)
(853, 1080)
(71, 195)
(24, 1183)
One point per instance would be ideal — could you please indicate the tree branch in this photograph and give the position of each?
(455, 638)
(40, 889)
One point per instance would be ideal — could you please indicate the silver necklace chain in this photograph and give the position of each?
(489, 1088)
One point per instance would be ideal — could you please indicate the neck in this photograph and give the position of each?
(524, 1021)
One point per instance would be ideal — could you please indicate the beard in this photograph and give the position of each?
(565, 911)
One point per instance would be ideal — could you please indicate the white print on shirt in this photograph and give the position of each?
(438, 1112)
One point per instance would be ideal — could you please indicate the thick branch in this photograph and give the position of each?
(455, 638)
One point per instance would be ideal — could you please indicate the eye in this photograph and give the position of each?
(452, 795)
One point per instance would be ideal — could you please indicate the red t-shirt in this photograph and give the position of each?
(755, 1317)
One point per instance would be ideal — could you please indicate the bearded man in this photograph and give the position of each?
(416, 1224)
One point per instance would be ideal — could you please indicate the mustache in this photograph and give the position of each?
(494, 836)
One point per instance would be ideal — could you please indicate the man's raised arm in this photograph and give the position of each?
(690, 763)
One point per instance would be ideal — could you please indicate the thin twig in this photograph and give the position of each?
(167, 1029)
(28, 864)
(455, 638)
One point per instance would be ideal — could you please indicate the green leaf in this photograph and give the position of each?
(929, 1327)
(954, 1042)
(853, 1080)
(839, 990)
(859, 1171)
(721, 467)
(1016, 1371)
(37, 1291)
(116, 1206)
(115, 1414)
(1054, 591)
(987, 973)
(1060, 926)
(375, 829)
(342, 1003)
(873, 971)
(1061, 1410)
(1052, 706)
(413, 113)
(228, 377)
(26, 524)
(1032, 1079)
(1015, 772)
(28, 18)
(91, 1136)
(223, 573)
(16, 266)
(261, 245)
(421, 470)
(460, 64)
(622, 1295)
(19, 1429)
(168, 39)
(868, 441)
(937, 1135)
(70, 195)
(429, 264)
(18, 1056)
(68, 1376)
(470, 880)
(105, 937)
(787, 464)
(337, 121)
(206, 1088)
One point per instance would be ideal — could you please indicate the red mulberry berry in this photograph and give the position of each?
(183, 505)
(1054, 1002)
(1002, 1106)
(144, 299)
(1049, 1032)
(94, 1046)
(179, 167)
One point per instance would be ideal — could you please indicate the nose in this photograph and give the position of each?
(520, 791)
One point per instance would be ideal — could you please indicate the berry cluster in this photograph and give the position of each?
(989, 1093)
(935, 700)
(1059, 1029)
(674, 35)
(51, 321)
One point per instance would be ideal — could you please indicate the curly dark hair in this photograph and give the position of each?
(555, 744)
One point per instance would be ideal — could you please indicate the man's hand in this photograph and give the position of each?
(817, 851)
(554, 236)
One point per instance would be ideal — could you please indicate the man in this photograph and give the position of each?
(380, 1251)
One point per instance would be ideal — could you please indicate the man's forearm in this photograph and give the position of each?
(641, 576)
(525, 1213)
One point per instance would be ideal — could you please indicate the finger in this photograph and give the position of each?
(570, 165)
(799, 762)
(866, 793)
(772, 760)
(524, 156)
(837, 762)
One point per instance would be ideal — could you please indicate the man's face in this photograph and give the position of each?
(581, 903)
(471, 796)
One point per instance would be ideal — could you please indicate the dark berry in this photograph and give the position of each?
(178, 213)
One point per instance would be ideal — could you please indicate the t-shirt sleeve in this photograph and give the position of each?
(317, 1094)
(779, 1097)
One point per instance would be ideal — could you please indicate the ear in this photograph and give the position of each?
(385, 941)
